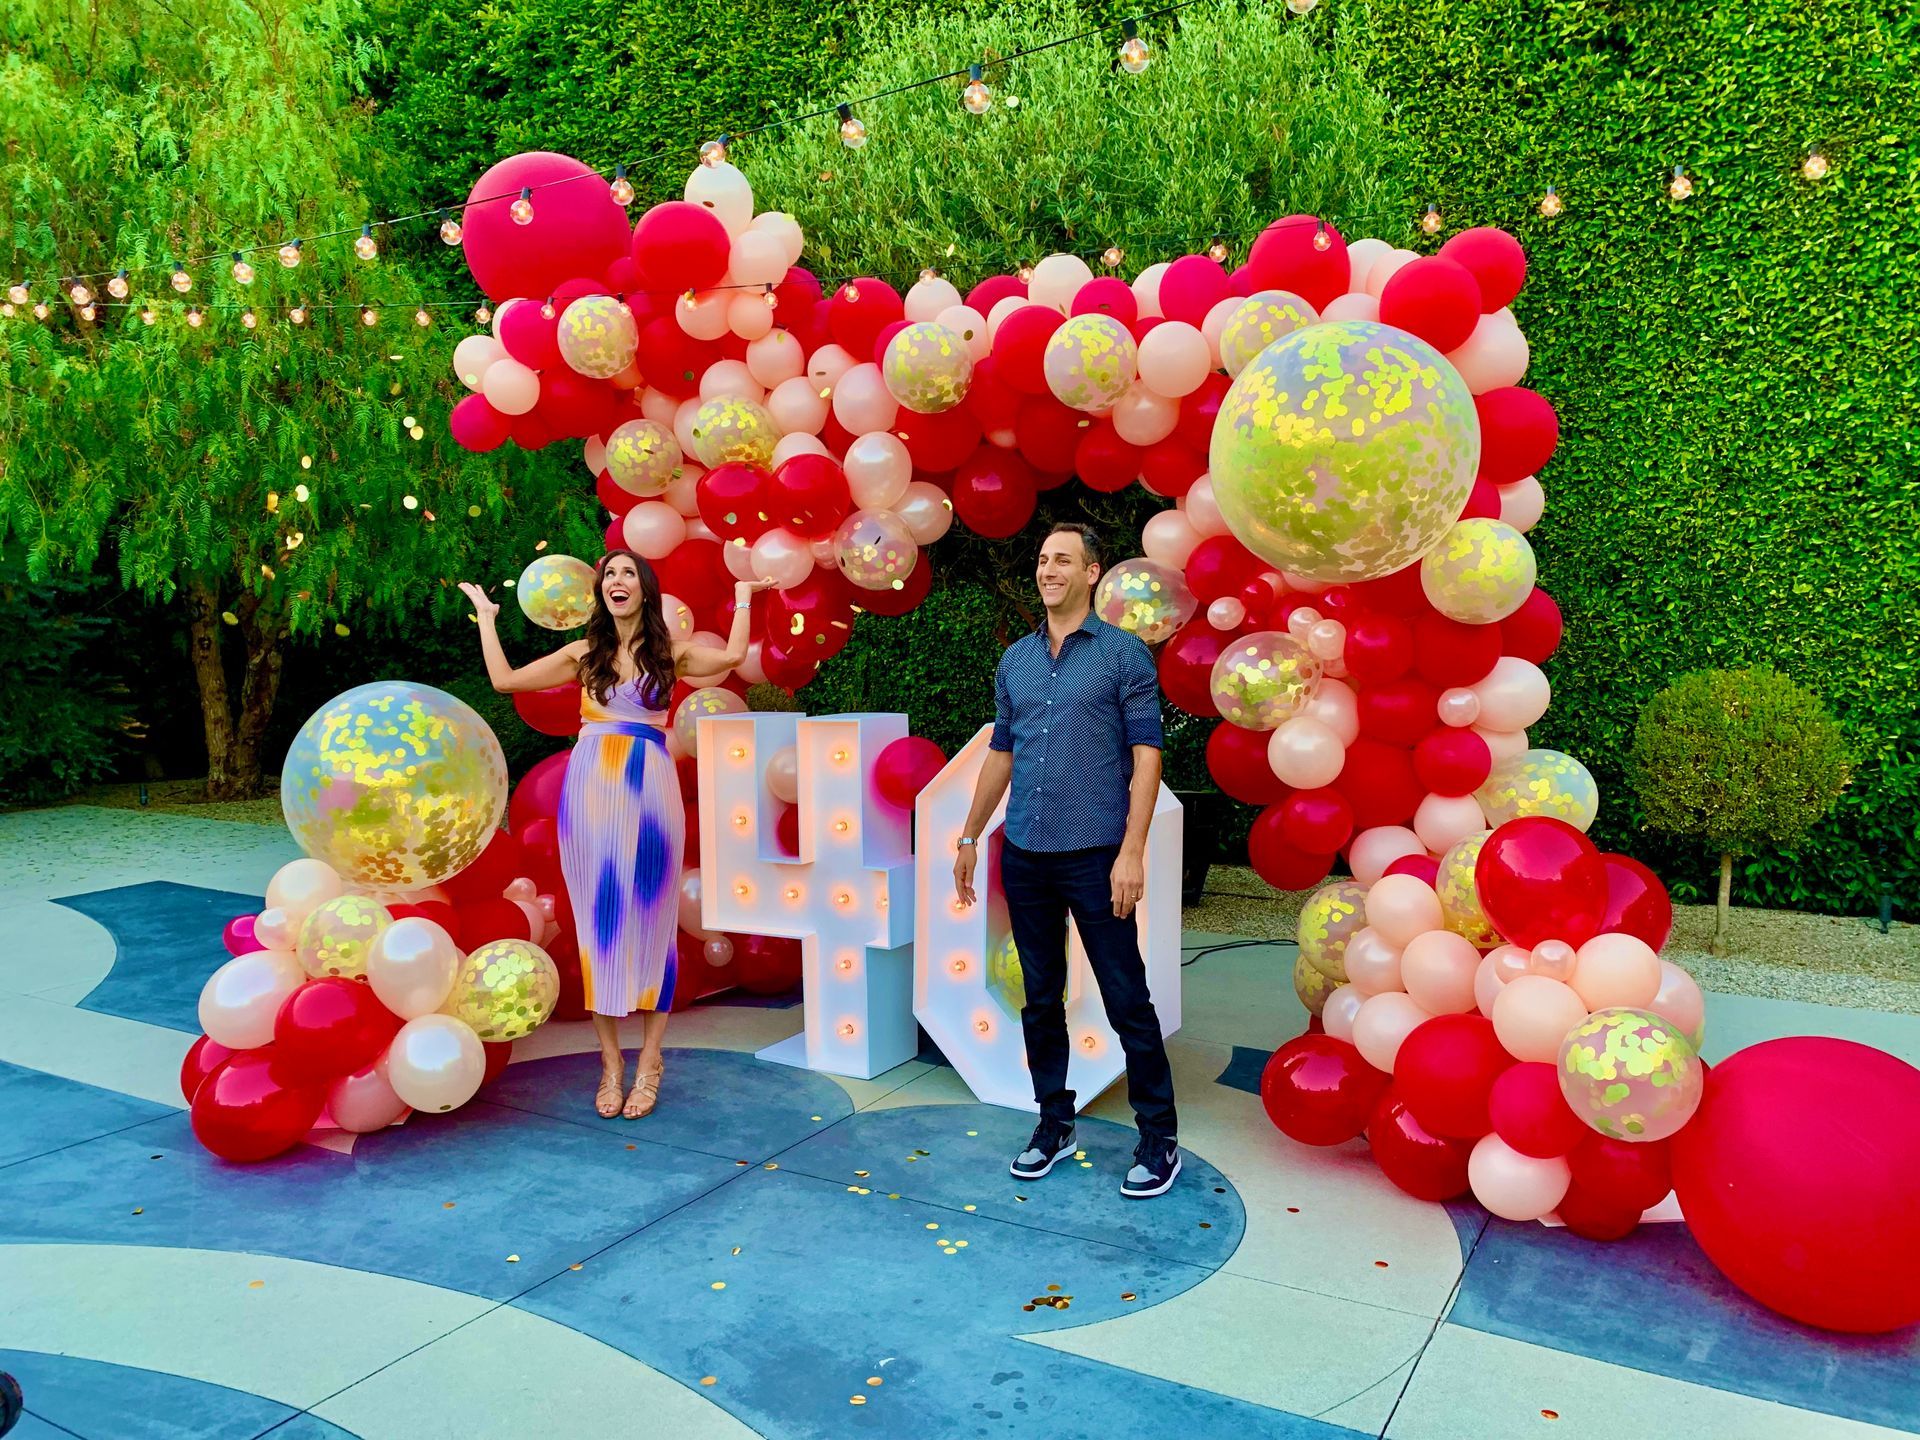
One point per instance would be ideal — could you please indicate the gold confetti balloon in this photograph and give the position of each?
(1480, 572)
(598, 336)
(642, 457)
(556, 592)
(1144, 598)
(710, 701)
(1540, 782)
(1327, 921)
(1311, 985)
(1257, 322)
(1344, 451)
(1004, 975)
(927, 368)
(1090, 362)
(395, 785)
(504, 990)
(335, 938)
(875, 550)
(1459, 892)
(1263, 679)
(728, 429)
(1631, 1074)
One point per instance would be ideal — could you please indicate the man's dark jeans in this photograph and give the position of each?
(1041, 890)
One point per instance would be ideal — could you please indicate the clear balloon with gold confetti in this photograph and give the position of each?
(556, 592)
(1004, 976)
(728, 429)
(1344, 451)
(927, 368)
(504, 990)
(1144, 598)
(1481, 571)
(1540, 782)
(1631, 1074)
(1311, 985)
(335, 937)
(1090, 362)
(1257, 322)
(396, 785)
(712, 700)
(1459, 892)
(598, 336)
(875, 550)
(1263, 679)
(642, 457)
(1327, 921)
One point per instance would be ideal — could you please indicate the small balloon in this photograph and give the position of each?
(1540, 782)
(556, 592)
(1144, 598)
(1631, 1075)
(504, 990)
(1329, 919)
(1263, 679)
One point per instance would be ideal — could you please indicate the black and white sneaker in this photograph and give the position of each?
(1155, 1164)
(1051, 1141)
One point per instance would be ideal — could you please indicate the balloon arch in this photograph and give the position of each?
(1342, 579)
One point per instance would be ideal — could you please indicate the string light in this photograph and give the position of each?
(622, 188)
(1680, 187)
(449, 229)
(87, 312)
(17, 294)
(713, 153)
(1301, 7)
(1218, 252)
(1112, 256)
(290, 254)
(242, 271)
(117, 286)
(853, 130)
(298, 314)
(79, 293)
(194, 317)
(422, 318)
(1134, 54)
(40, 310)
(249, 319)
(1550, 204)
(1024, 274)
(181, 281)
(978, 96)
(1322, 238)
(522, 209)
(369, 316)
(366, 247)
(6, 309)
(1814, 167)
(769, 299)
(147, 317)
(1431, 221)
(483, 316)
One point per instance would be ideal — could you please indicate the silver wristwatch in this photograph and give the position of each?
(964, 841)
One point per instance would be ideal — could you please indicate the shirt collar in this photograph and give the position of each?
(1089, 626)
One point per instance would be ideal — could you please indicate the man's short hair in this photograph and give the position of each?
(1089, 540)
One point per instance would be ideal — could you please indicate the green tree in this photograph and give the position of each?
(277, 480)
(1739, 761)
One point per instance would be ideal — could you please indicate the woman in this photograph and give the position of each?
(622, 827)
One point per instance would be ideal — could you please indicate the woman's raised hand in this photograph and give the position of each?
(745, 590)
(484, 608)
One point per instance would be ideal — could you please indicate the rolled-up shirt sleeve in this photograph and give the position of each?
(1003, 711)
(1140, 695)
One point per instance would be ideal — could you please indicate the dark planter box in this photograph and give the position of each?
(1203, 814)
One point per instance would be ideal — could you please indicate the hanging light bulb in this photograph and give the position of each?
(852, 293)
(483, 316)
(1322, 237)
(6, 309)
(40, 310)
(714, 152)
(1431, 221)
(147, 317)
(194, 317)
(369, 316)
(181, 281)
(1112, 256)
(117, 286)
(87, 311)
(290, 254)
(853, 130)
(298, 315)
(547, 310)
(1550, 204)
(366, 247)
(978, 96)
(771, 300)
(622, 188)
(449, 229)
(79, 293)
(1680, 187)
(422, 318)
(1024, 274)
(1814, 167)
(17, 294)
(1218, 252)
(927, 272)
(242, 271)
(522, 209)
(1134, 54)
(1301, 7)
(249, 319)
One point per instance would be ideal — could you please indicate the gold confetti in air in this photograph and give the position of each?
(306, 462)
(302, 494)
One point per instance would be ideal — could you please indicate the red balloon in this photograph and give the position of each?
(498, 1053)
(1237, 760)
(1379, 782)
(1199, 410)
(696, 572)
(251, 1107)
(439, 912)
(1398, 712)
(1191, 286)
(482, 921)
(331, 1027)
(553, 711)
(1423, 868)
(1186, 667)
(1287, 256)
(1452, 761)
(1530, 1114)
(994, 403)
(1105, 461)
(691, 809)
(1048, 433)
(1482, 502)
(1168, 468)
(766, 964)
(1533, 631)
(530, 432)
(678, 245)
(475, 425)
(815, 618)
(617, 501)
(204, 1056)
(672, 361)
(238, 935)
(488, 873)
(1425, 1165)
(992, 290)
(565, 950)
(790, 671)
(898, 602)
(1106, 295)
(798, 293)
(1633, 1175)
(1318, 822)
(1518, 433)
(736, 501)
(786, 830)
(1447, 653)
(1020, 345)
(880, 341)
(615, 537)
(810, 495)
(1220, 566)
(1433, 298)
(860, 310)
(1400, 593)
(1494, 259)
(1636, 901)
(538, 793)
(1592, 1216)
(1379, 648)
(1800, 1178)
(937, 443)
(531, 335)
(1541, 879)
(994, 493)
(576, 229)
(1445, 1070)
(905, 768)
(574, 405)
(1278, 861)
(1318, 1090)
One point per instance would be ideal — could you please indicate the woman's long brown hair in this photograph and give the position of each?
(652, 647)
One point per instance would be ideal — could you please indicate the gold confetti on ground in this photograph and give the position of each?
(709, 1379)
(1056, 1302)
(1021, 1198)
(770, 1165)
(1206, 1225)
(894, 1196)
(1379, 1264)
(1086, 1164)
(736, 1249)
(513, 1259)
(875, 1380)
(448, 1205)
(960, 1244)
(139, 1209)
(1128, 1295)
(860, 1174)
(633, 1147)
(256, 1284)
(933, 1225)
(913, 1159)
(718, 1285)
(1079, 1154)
(973, 1132)
(856, 1399)
(574, 1267)
(969, 1208)
(743, 1163)
(1029, 1307)
(923, 1152)
(815, 1117)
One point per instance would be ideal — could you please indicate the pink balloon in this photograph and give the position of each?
(748, 317)
(1510, 962)
(1679, 999)
(703, 313)
(472, 356)
(1168, 539)
(1458, 707)
(731, 378)
(1146, 290)
(879, 470)
(827, 365)
(1438, 970)
(1522, 504)
(782, 557)
(1555, 959)
(1143, 417)
(1513, 696)
(364, 1101)
(1337, 1015)
(759, 258)
(788, 446)
(1371, 851)
(1352, 307)
(971, 326)
(775, 358)
(1502, 744)
(1616, 970)
(1305, 753)
(1372, 965)
(1382, 1025)
(654, 529)
(1401, 907)
(862, 402)
(1202, 511)
(1174, 359)
(576, 229)
(238, 936)
(927, 511)
(477, 426)
(1335, 706)
(1515, 1186)
(1487, 985)
(510, 387)
(1494, 355)
(1533, 1014)
(1440, 820)
(797, 406)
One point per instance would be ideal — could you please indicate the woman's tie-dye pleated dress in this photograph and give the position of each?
(622, 830)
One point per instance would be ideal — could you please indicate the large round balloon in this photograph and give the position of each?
(1800, 1178)
(597, 336)
(1445, 1071)
(1329, 919)
(1541, 879)
(1319, 1091)
(1481, 571)
(1345, 451)
(927, 368)
(1089, 363)
(504, 990)
(1637, 903)
(575, 229)
(1631, 1074)
(395, 785)
(1145, 598)
(556, 592)
(875, 550)
(1540, 782)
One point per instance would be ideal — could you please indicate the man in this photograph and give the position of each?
(1077, 733)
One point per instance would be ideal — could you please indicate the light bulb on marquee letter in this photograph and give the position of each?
(848, 894)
